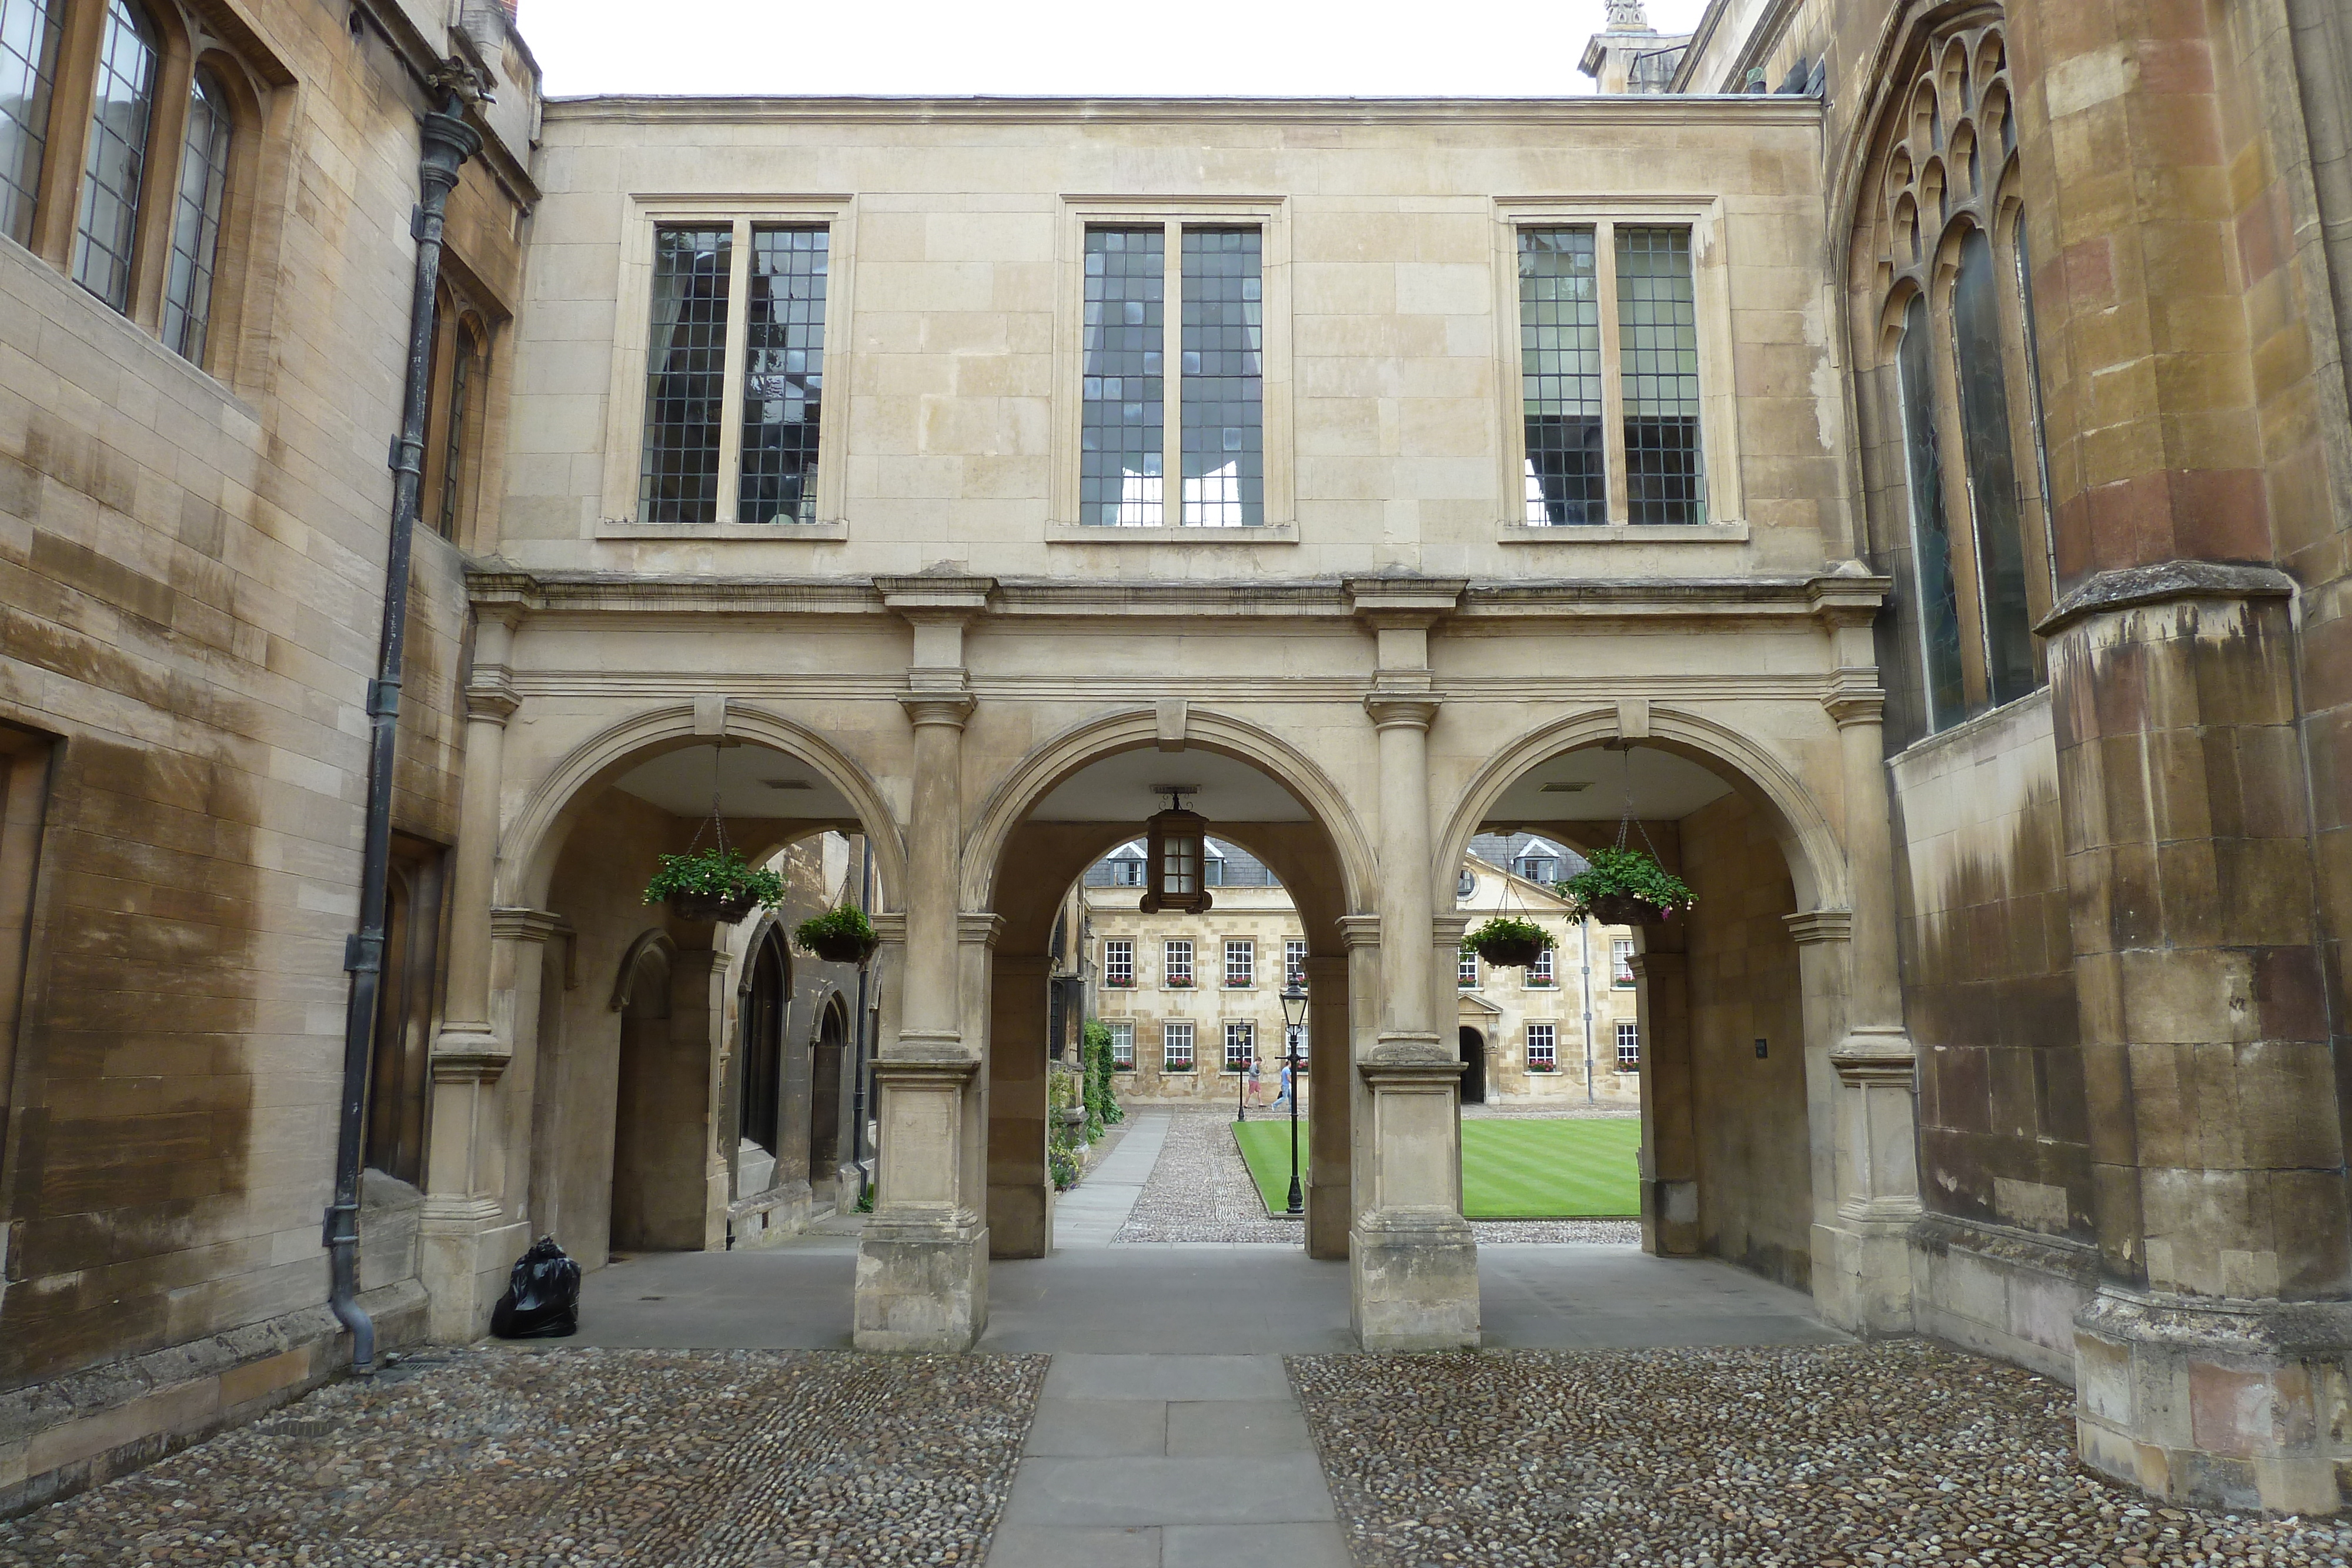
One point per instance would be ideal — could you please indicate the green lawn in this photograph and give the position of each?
(1510, 1170)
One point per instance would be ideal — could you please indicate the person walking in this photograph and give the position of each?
(1284, 1084)
(1255, 1088)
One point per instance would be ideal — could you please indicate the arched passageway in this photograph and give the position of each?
(1474, 1066)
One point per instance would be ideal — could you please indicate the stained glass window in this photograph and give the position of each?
(1224, 378)
(686, 375)
(1985, 437)
(120, 109)
(28, 66)
(1123, 430)
(783, 375)
(1559, 367)
(1657, 328)
(196, 218)
(1931, 534)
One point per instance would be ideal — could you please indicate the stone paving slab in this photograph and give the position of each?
(1281, 1489)
(1167, 1378)
(1237, 1426)
(1257, 1546)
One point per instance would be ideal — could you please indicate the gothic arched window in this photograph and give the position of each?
(1962, 496)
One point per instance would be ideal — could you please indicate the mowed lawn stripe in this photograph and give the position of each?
(1514, 1170)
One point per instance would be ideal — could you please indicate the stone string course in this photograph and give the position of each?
(516, 1458)
(1845, 1457)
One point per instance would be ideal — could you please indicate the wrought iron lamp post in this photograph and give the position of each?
(1293, 1023)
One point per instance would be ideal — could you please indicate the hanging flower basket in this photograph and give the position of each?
(1508, 942)
(1626, 887)
(839, 936)
(713, 885)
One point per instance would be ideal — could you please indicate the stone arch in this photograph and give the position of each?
(1055, 760)
(1816, 858)
(653, 944)
(530, 843)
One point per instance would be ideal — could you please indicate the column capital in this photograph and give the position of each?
(1853, 696)
(916, 1051)
(2163, 582)
(1849, 594)
(889, 924)
(491, 695)
(925, 1072)
(942, 707)
(514, 923)
(981, 926)
(1875, 1053)
(1820, 926)
(1359, 930)
(1447, 930)
(1403, 709)
(469, 1056)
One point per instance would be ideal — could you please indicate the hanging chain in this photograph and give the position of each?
(717, 822)
(1625, 751)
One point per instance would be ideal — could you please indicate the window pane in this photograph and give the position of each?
(28, 66)
(452, 448)
(1985, 435)
(1931, 538)
(117, 154)
(1224, 379)
(1122, 435)
(686, 375)
(783, 375)
(196, 218)
(1560, 369)
(1657, 332)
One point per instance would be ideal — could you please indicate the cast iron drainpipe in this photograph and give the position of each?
(448, 141)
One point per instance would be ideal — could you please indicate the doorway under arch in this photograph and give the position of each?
(1474, 1066)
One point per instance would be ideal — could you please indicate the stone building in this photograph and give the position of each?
(1928, 484)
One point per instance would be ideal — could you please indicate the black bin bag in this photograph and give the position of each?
(542, 1299)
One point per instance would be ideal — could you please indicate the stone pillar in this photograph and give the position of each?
(1862, 1260)
(1362, 933)
(922, 1265)
(1669, 1136)
(469, 1234)
(1330, 1054)
(1020, 1187)
(2212, 1364)
(1415, 1266)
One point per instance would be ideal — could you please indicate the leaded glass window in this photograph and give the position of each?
(464, 351)
(120, 110)
(1123, 430)
(28, 66)
(1559, 367)
(686, 375)
(1985, 439)
(1224, 379)
(783, 374)
(1657, 333)
(196, 218)
(1931, 536)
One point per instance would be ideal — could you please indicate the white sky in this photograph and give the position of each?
(1276, 48)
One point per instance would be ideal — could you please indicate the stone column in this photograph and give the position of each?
(1669, 1139)
(1329, 1093)
(1020, 1189)
(1415, 1266)
(922, 1264)
(468, 1233)
(1866, 1245)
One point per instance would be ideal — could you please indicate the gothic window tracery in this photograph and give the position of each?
(1962, 501)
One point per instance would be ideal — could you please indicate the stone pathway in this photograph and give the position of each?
(1091, 1213)
(1169, 1462)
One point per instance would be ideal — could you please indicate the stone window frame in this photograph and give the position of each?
(1465, 971)
(188, 41)
(1247, 947)
(1271, 214)
(1543, 975)
(642, 214)
(1122, 1039)
(1110, 970)
(1549, 1043)
(1168, 1029)
(1247, 1041)
(1945, 145)
(462, 309)
(1628, 1037)
(1621, 963)
(1293, 961)
(1719, 413)
(1168, 945)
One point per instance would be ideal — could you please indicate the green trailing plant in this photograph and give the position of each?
(865, 1200)
(1509, 940)
(1626, 887)
(714, 877)
(842, 935)
(1102, 1105)
(1062, 1161)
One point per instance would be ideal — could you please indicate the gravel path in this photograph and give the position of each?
(1841, 1456)
(612, 1458)
(1200, 1191)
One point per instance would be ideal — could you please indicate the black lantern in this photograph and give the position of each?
(1293, 1024)
(1175, 849)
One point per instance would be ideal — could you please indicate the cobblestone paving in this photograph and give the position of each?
(612, 1458)
(1200, 1191)
(1843, 1456)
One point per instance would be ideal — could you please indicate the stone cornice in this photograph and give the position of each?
(1359, 930)
(1855, 696)
(1820, 926)
(2163, 582)
(936, 595)
(1742, 110)
(1404, 602)
(491, 695)
(1403, 710)
(983, 925)
(947, 708)
(521, 923)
